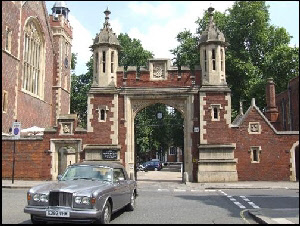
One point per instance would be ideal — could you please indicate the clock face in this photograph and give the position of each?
(66, 63)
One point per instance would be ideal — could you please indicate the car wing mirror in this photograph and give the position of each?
(59, 177)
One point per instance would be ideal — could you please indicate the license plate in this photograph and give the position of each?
(57, 213)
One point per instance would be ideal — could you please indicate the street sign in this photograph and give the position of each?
(16, 129)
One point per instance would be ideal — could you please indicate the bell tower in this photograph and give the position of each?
(105, 51)
(62, 42)
(212, 54)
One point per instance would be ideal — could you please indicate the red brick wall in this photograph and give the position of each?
(274, 157)
(144, 80)
(31, 110)
(291, 112)
(216, 130)
(10, 63)
(31, 161)
(102, 130)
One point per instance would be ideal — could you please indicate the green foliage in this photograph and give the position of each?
(73, 61)
(132, 52)
(256, 52)
(80, 86)
(158, 134)
(187, 53)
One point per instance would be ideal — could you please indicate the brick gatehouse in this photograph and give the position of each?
(215, 148)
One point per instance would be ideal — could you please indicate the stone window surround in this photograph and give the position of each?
(33, 37)
(4, 101)
(251, 150)
(8, 34)
(212, 107)
(250, 131)
(99, 109)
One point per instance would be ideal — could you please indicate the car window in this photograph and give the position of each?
(87, 173)
(119, 174)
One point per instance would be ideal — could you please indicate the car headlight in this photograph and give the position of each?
(44, 198)
(36, 197)
(78, 200)
(40, 198)
(82, 200)
(86, 200)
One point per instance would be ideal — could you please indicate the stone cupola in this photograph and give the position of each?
(212, 54)
(60, 8)
(105, 52)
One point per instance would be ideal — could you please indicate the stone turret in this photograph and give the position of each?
(105, 50)
(212, 54)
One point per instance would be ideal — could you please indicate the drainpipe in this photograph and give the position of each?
(290, 107)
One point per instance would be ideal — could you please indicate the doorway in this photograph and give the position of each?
(182, 103)
(159, 143)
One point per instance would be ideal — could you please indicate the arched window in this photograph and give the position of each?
(96, 63)
(213, 59)
(112, 61)
(103, 61)
(222, 60)
(205, 60)
(33, 59)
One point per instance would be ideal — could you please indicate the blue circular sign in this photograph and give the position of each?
(16, 131)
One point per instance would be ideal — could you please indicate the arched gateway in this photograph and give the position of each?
(202, 96)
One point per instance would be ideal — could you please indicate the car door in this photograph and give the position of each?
(122, 189)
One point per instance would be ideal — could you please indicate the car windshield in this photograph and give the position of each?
(86, 172)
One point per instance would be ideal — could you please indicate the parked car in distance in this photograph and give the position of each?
(86, 192)
(150, 165)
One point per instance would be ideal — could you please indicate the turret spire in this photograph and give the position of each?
(106, 23)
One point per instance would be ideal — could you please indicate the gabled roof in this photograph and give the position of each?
(241, 118)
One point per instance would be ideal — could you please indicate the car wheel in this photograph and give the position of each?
(106, 214)
(131, 205)
(34, 221)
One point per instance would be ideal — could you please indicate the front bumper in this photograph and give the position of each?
(76, 215)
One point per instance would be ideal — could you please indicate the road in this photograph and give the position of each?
(168, 201)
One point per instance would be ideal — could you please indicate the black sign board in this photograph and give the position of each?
(109, 154)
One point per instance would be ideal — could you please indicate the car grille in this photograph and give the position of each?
(60, 199)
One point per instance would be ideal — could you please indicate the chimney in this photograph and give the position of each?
(271, 110)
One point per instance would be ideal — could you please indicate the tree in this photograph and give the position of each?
(132, 52)
(154, 134)
(187, 53)
(256, 52)
(80, 86)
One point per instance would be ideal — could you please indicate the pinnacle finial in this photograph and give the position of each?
(106, 12)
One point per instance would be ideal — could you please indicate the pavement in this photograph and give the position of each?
(262, 216)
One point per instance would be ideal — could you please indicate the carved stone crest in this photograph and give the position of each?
(158, 71)
(254, 128)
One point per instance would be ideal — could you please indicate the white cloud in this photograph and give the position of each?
(161, 37)
(82, 40)
(116, 26)
(163, 10)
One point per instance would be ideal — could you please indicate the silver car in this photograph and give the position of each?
(86, 192)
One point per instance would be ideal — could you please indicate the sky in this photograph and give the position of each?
(156, 23)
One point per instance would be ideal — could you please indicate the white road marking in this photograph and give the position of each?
(239, 205)
(159, 189)
(179, 190)
(282, 221)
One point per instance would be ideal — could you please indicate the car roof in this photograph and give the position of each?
(99, 163)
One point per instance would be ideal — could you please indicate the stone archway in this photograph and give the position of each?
(63, 152)
(182, 103)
